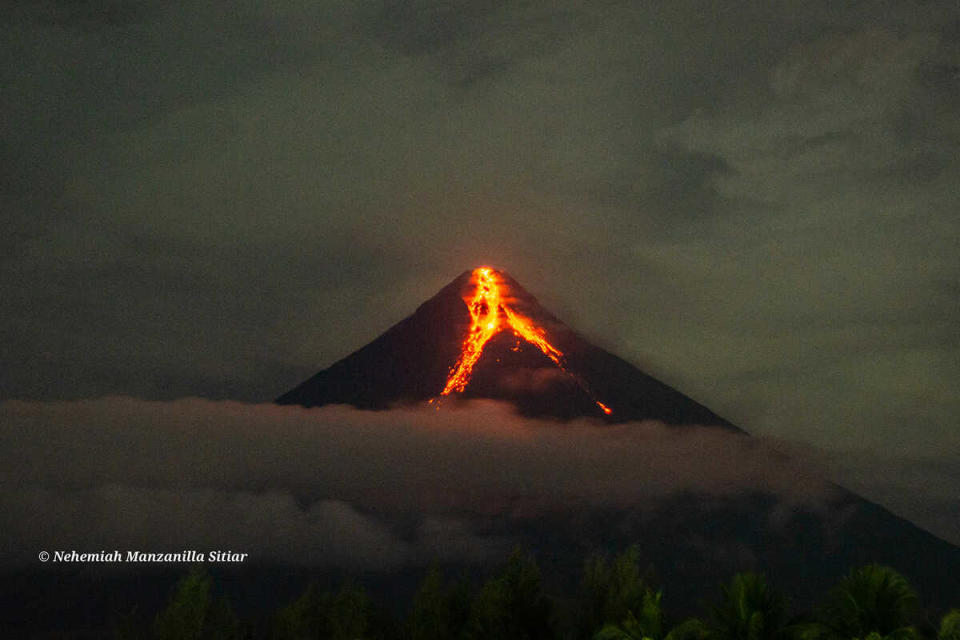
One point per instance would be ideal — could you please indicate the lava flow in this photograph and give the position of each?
(489, 315)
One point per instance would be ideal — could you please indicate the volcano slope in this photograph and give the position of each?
(484, 336)
(420, 359)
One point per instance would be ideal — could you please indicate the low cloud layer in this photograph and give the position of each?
(331, 484)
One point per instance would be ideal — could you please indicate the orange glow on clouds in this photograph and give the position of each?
(489, 315)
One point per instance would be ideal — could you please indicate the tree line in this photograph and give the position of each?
(615, 602)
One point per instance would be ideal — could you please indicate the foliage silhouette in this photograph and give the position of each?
(440, 611)
(873, 602)
(748, 610)
(950, 626)
(193, 614)
(511, 604)
(346, 614)
(614, 603)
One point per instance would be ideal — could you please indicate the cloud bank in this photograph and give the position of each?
(330, 485)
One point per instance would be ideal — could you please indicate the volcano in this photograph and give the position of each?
(485, 336)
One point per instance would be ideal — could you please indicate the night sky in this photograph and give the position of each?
(754, 201)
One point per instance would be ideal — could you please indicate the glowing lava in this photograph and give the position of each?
(489, 315)
(484, 324)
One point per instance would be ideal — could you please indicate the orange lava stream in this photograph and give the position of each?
(533, 334)
(489, 314)
(484, 324)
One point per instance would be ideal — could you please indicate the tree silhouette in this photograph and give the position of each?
(950, 626)
(303, 618)
(440, 612)
(611, 591)
(615, 603)
(646, 624)
(748, 610)
(872, 602)
(347, 614)
(192, 614)
(692, 629)
(511, 605)
(619, 603)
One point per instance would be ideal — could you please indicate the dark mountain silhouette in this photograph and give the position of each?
(690, 540)
(411, 363)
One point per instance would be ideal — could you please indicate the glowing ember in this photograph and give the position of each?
(489, 315)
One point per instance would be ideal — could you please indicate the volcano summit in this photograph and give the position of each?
(485, 336)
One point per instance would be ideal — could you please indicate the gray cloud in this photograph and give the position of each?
(267, 525)
(316, 486)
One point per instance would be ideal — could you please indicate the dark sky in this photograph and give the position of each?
(754, 201)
